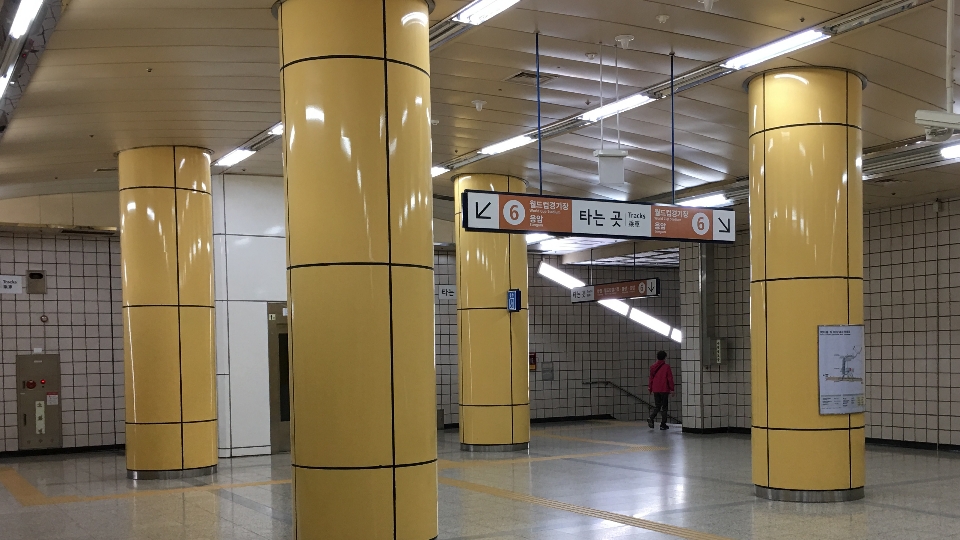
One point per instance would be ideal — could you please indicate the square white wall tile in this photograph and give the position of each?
(219, 226)
(257, 268)
(254, 205)
(220, 291)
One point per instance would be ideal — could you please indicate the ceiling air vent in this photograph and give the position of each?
(530, 78)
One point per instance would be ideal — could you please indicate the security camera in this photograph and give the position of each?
(939, 126)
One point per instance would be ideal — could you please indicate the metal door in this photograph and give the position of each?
(279, 378)
(38, 401)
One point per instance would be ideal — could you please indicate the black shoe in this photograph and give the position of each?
(663, 427)
(650, 423)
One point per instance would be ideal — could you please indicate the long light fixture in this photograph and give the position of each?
(482, 10)
(559, 276)
(950, 152)
(536, 238)
(437, 171)
(277, 130)
(775, 49)
(707, 201)
(617, 306)
(506, 145)
(617, 107)
(26, 13)
(647, 320)
(234, 157)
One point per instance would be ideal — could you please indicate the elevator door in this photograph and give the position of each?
(279, 378)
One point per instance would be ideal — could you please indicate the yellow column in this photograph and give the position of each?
(806, 246)
(166, 243)
(356, 106)
(492, 344)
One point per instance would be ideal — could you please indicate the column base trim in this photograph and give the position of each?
(519, 447)
(171, 475)
(811, 496)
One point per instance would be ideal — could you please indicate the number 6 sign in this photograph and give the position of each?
(701, 224)
(514, 212)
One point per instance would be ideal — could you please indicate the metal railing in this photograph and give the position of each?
(629, 393)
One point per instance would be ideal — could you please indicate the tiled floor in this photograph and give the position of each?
(592, 480)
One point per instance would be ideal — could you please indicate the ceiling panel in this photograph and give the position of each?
(205, 73)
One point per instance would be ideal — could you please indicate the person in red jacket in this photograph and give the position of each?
(661, 385)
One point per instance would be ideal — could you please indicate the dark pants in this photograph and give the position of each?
(660, 404)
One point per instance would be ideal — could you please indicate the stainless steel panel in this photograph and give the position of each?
(38, 402)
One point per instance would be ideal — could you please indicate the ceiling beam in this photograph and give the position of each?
(620, 249)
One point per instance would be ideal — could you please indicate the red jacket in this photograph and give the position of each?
(661, 378)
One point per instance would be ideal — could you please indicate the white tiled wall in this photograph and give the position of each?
(912, 312)
(84, 327)
(912, 297)
(717, 397)
(250, 260)
(580, 343)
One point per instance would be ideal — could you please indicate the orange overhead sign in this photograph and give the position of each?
(616, 291)
(492, 211)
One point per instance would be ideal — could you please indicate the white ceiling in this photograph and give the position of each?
(118, 75)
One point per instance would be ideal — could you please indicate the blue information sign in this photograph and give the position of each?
(513, 300)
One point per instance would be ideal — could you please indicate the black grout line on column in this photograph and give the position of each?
(393, 396)
(176, 235)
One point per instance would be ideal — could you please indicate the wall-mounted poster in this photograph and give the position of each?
(841, 370)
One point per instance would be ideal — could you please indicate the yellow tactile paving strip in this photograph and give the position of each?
(662, 528)
(24, 492)
(446, 464)
(595, 441)
(28, 495)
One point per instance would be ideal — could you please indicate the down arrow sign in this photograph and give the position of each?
(725, 226)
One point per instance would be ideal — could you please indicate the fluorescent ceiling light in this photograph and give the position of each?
(676, 335)
(619, 306)
(559, 276)
(650, 322)
(277, 130)
(26, 13)
(708, 201)
(617, 107)
(507, 145)
(775, 49)
(950, 152)
(482, 11)
(234, 157)
(437, 171)
(534, 238)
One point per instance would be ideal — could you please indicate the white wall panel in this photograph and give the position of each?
(218, 223)
(220, 267)
(257, 268)
(254, 205)
(223, 358)
(249, 374)
(223, 412)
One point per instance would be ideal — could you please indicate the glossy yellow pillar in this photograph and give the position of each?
(166, 243)
(492, 344)
(806, 226)
(356, 107)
